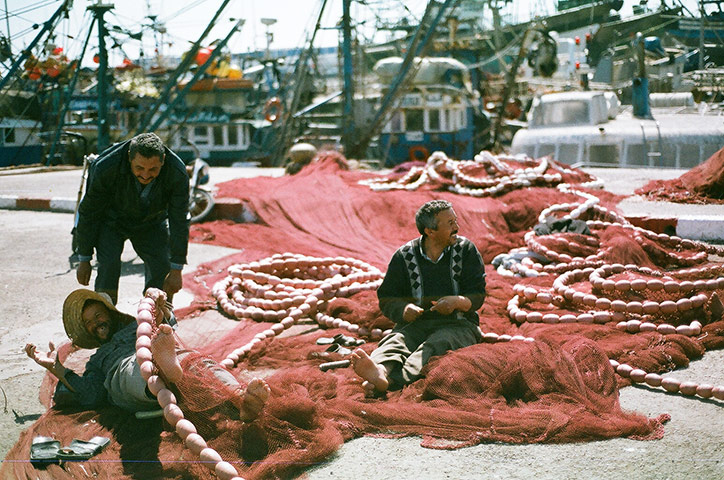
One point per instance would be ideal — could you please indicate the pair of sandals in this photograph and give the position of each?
(47, 450)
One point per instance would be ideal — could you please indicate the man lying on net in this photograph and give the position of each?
(432, 290)
(112, 374)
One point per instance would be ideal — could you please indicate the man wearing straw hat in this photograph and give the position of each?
(112, 374)
(137, 190)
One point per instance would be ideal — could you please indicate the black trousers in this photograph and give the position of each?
(151, 244)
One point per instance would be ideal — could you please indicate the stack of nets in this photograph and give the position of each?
(556, 332)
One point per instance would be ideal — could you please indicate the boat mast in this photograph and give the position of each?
(423, 35)
(348, 125)
(199, 73)
(26, 52)
(99, 9)
(182, 67)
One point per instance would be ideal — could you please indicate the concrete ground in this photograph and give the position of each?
(35, 277)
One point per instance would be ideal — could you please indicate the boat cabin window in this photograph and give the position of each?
(690, 155)
(456, 119)
(566, 113)
(218, 135)
(603, 154)
(545, 149)
(8, 135)
(233, 135)
(395, 123)
(568, 153)
(201, 135)
(414, 120)
(433, 120)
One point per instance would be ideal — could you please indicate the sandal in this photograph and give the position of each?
(337, 348)
(348, 341)
(80, 450)
(44, 450)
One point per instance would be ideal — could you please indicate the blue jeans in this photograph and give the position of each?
(150, 243)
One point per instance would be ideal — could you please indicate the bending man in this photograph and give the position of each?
(137, 190)
(432, 290)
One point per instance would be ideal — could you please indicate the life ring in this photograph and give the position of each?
(273, 109)
(418, 153)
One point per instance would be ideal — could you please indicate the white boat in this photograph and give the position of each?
(587, 129)
(19, 142)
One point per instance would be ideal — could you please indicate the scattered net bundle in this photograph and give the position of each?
(569, 317)
(701, 184)
(486, 175)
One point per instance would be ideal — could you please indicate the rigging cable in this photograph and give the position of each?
(71, 89)
(38, 124)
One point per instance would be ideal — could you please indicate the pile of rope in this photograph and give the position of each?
(681, 296)
(285, 288)
(486, 175)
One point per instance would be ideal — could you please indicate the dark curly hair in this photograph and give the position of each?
(426, 216)
(146, 144)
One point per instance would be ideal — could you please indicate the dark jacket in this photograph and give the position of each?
(435, 280)
(112, 200)
(90, 390)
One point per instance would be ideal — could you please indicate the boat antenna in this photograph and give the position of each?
(182, 68)
(199, 72)
(71, 89)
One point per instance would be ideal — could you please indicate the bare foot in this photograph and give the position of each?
(161, 310)
(255, 396)
(163, 348)
(373, 374)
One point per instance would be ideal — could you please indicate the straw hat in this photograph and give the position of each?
(73, 320)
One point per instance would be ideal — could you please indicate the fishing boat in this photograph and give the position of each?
(19, 142)
(439, 112)
(590, 129)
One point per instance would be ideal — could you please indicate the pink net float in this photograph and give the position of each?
(670, 384)
(172, 413)
(286, 287)
(559, 252)
(487, 175)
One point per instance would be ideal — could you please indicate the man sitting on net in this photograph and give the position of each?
(432, 290)
(112, 374)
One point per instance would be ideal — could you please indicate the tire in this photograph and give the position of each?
(200, 205)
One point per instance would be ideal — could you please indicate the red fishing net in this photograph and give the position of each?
(702, 184)
(558, 307)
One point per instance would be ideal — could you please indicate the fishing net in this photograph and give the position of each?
(701, 184)
(570, 316)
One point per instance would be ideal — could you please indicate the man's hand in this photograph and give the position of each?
(173, 282)
(163, 309)
(50, 361)
(83, 273)
(411, 312)
(447, 305)
(46, 360)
